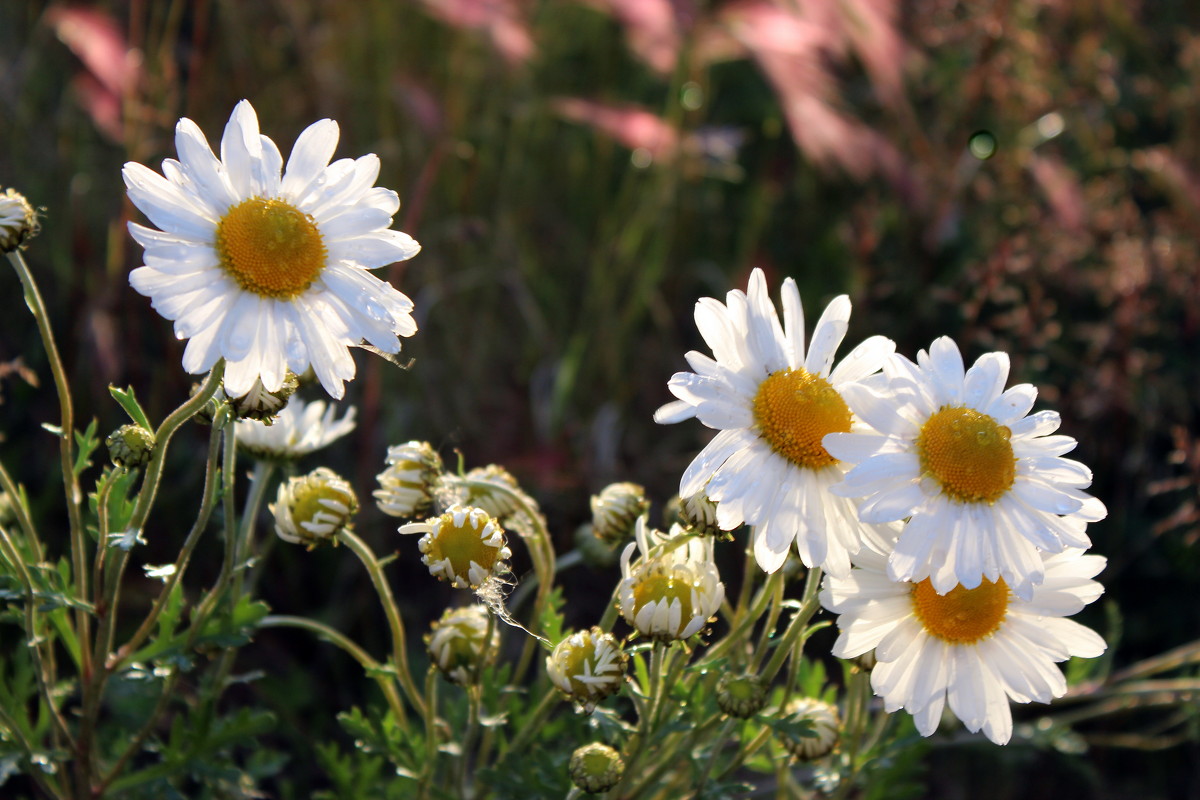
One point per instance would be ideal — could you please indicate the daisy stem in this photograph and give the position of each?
(858, 695)
(795, 628)
(207, 502)
(768, 630)
(474, 700)
(372, 667)
(743, 623)
(541, 552)
(66, 442)
(429, 714)
(399, 647)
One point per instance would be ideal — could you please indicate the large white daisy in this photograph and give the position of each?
(269, 272)
(982, 480)
(297, 430)
(773, 402)
(975, 649)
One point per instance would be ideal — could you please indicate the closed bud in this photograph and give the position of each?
(824, 728)
(741, 696)
(406, 485)
(459, 643)
(261, 405)
(130, 446)
(596, 767)
(615, 512)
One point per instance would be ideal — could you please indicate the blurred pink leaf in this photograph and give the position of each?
(419, 104)
(633, 127)
(501, 20)
(653, 27)
(112, 69)
(794, 46)
(1062, 190)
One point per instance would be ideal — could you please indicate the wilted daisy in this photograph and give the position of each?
(465, 546)
(982, 480)
(673, 588)
(407, 483)
(588, 666)
(459, 642)
(975, 649)
(266, 271)
(773, 401)
(616, 510)
(299, 429)
(312, 509)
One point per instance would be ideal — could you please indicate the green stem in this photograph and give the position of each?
(796, 628)
(399, 645)
(743, 624)
(33, 299)
(372, 667)
(541, 552)
(181, 562)
(21, 511)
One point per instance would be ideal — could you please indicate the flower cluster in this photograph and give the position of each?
(963, 523)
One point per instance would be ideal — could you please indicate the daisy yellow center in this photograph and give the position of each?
(461, 545)
(270, 247)
(961, 616)
(794, 409)
(664, 587)
(969, 454)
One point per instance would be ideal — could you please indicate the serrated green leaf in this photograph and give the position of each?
(127, 401)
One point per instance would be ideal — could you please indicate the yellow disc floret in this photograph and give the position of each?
(969, 454)
(962, 616)
(270, 247)
(794, 409)
(663, 584)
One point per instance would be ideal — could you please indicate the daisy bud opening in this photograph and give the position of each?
(588, 666)
(130, 446)
(460, 645)
(259, 404)
(674, 588)
(496, 501)
(465, 546)
(406, 484)
(825, 727)
(615, 511)
(313, 508)
(18, 221)
(698, 514)
(741, 696)
(596, 767)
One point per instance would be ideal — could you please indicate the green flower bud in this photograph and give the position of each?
(130, 446)
(741, 696)
(459, 645)
(588, 666)
(825, 723)
(596, 767)
(261, 405)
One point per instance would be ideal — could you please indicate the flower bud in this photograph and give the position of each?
(698, 514)
(313, 508)
(615, 512)
(130, 446)
(741, 696)
(18, 221)
(407, 483)
(465, 546)
(459, 643)
(596, 768)
(259, 404)
(823, 719)
(496, 501)
(674, 588)
(588, 666)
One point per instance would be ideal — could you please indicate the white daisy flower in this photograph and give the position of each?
(981, 479)
(270, 272)
(299, 429)
(674, 588)
(588, 666)
(465, 546)
(773, 402)
(975, 649)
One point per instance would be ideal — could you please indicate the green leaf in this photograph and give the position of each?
(550, 623)
(87, 442)
(128, 402)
